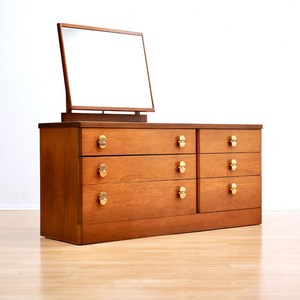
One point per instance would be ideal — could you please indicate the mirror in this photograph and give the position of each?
(104, 69)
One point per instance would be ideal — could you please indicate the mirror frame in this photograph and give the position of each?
(69, 106)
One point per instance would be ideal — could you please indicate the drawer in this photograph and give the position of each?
(137, 168)
(229, 164)
(137, 141)
(129, 201)
(218, 141)
(215, 193)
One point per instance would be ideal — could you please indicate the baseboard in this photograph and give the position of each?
(17, 207)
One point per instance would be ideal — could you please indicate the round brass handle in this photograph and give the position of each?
(102, 198)
(181, 141)
(181, 167)
(233, 188)
(233, 165)
(182, 193)
(233, 141)
(102, 141)
(102, 170)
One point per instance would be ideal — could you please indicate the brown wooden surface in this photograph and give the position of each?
(137, 168)
(149, 125)
(59, 183)
(106, 108)
(217, 141)
(61, 168)
(67, 117)
(95, 233)
(137, 141)
(218, 165)
(144, 200)
(64, 65)
(214, 193)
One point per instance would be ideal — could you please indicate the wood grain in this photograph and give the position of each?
(131, 201)
(218, 165)
(59, 183)
(137, 168)
(65, 71)
(217, 141)
(144, 125)
(112, 231)
(69, 189)
(69, 117)
(137, 141)
(214, 193)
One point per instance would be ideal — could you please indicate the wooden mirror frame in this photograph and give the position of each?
(69, 116)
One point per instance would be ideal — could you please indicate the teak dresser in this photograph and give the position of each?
(113, 181)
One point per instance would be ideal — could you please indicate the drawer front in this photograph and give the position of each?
(219, 141)
(137, 168)
(137, 141)
(233, 164)
(215, 193)
(130, 201)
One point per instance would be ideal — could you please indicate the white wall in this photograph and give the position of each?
(210, 62)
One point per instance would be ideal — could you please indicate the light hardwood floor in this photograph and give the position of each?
(255, 262)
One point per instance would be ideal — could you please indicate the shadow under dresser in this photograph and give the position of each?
(113, 181)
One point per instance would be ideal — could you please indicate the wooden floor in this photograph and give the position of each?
(256, 262)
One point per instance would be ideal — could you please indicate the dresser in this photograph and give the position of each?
(102, 181)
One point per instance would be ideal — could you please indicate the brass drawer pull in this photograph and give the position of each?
(181, 141)
(102, 170)
(102, 141)
(233, 165)
(182, 193)
(181, 167)
(233, 140)
(233, 188)
(102, 198)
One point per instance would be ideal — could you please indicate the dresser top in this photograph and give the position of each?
(87, 124)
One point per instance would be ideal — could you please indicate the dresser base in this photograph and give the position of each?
(113, 231)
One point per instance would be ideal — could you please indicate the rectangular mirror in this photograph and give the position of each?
(104, 69)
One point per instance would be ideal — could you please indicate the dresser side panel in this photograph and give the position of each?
(59, 183)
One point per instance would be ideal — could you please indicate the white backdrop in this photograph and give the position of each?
(209, 61)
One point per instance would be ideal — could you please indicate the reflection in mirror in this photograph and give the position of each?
(105, 69)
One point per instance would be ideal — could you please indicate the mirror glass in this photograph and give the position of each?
(105, 70)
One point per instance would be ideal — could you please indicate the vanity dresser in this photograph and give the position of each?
(110, 181)
(109, 176)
